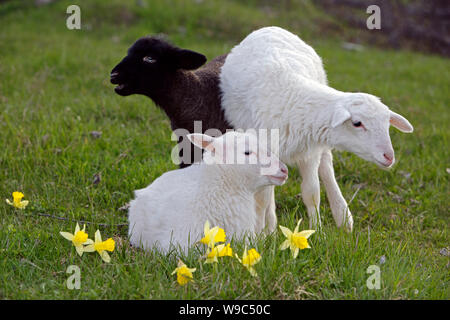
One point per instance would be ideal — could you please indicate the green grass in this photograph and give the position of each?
(54, 91)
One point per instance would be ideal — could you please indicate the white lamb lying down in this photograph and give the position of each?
(174, 208)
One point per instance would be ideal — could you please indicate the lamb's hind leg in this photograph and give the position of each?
(311, 189)
(339, 208)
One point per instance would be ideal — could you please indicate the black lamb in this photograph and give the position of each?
(170, 77)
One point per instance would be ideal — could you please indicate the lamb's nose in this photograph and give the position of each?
(389, 158)
(113, 77)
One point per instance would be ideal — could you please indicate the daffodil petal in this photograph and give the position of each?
(287, 232)
(105, 256)
(88, 241)
(89, 248)
(297, 226)
(181, 263)
(66, 235)
(79, 250)
(285, 245)
(306, 233)
(9, 202)
(98, 236)
(252, 271)
(295, 253)
(206, 227)
(23, 204)
(214, 231)
(77, 228)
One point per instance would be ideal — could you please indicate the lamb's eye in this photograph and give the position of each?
(149, 59)
(357, 124)
(247, 153)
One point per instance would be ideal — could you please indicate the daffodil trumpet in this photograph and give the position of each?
(249, 259)
(101, 247)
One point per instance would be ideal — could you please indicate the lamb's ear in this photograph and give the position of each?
(202, 141)
(400, 122)
(339, 116)
(188, 60)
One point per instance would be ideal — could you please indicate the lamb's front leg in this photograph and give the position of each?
(271, 216)
(265, 208)
(311, 189)
(339, 208)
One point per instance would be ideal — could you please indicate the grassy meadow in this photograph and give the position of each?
(55, 91)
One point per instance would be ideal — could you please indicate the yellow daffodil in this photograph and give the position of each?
(220, 250)
(212, 236)
(184, 274)
(78, 238)
(249, 259)
(226, 251)
(295, 240)
(101, 246)
(212, 254)
(17, 200)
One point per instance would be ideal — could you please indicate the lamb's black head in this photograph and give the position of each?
(149, 63)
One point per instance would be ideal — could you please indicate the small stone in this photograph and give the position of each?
(444, 252)
(96, 134)
(382, 259)
(352, 46)
(405, 174)
(97, 178)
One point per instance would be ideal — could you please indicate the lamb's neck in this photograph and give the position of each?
(317, 102)
(229, 202)
(177, 91)
(224, 178)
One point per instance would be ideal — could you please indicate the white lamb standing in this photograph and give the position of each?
(274, 80)
(173, 209)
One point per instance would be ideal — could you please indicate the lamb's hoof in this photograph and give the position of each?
(348, 224)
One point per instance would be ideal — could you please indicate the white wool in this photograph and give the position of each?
(274, 80)
(174, 208)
